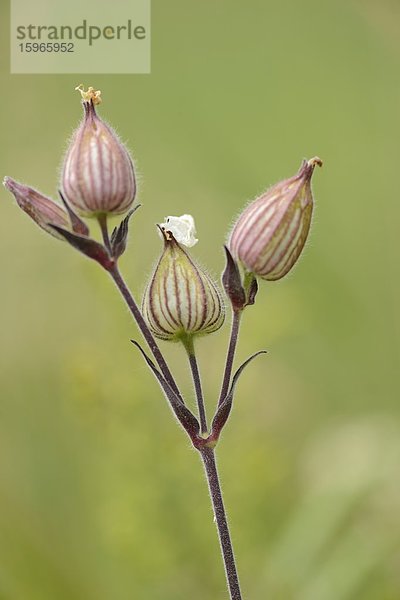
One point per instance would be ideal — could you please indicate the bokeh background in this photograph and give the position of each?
(101, 495)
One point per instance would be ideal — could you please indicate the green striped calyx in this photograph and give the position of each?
(269, 235)
(181, 300)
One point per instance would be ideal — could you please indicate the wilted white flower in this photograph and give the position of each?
(182, 228)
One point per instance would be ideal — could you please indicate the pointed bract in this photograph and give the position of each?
(223, 411)
(232, 282)
(78, 226)
(119, 235)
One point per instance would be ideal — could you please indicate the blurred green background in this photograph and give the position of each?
(101, 496)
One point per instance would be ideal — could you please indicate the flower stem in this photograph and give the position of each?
(236, 316)
(102, 219)
(134, 309)
(148, 336)
(207, 453)
(189, 345)
(208, 457)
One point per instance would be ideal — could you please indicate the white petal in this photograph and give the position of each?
(182, 228)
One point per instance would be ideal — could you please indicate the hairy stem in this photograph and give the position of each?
(148, 336)
(189, 345)
(207, 454)
(236, 316)
(208, 457)
(134, 309)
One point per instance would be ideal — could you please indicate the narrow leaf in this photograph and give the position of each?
(78, 226)
(182, 413)
(222, 414)
(86, 245)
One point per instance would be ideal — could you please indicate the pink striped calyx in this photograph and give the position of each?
(98, 175)
(269, 235)
(181, 300)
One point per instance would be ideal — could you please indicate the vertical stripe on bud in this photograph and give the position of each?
(181, 299)
(269, 235)
(98, 175)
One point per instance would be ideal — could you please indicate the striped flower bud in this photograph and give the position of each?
(42, 210)
(98, 176)
(181, 300)
(269, 235)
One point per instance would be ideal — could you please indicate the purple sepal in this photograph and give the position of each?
(78, 226)
(119, 235)
(232, 282)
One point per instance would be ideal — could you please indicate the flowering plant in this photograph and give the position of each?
(181, 302)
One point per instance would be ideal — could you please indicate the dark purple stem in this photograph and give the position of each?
(133, 307)
(208, 457)
(207, 454)
(236, 316)
(148, 336)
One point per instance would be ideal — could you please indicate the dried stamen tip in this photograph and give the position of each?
(315, 161)
(167, 235)
(91, 95)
